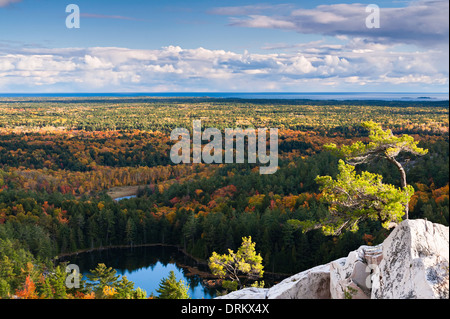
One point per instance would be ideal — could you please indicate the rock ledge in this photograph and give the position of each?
(413, 262)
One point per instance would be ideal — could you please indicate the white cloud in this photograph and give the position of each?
(6, 64)
(297, 65)
(94, 62)
(313, 66)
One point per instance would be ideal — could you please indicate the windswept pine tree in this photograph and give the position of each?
(354, 198)
(383, 144)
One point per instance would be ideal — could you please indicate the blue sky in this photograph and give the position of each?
(223, 46)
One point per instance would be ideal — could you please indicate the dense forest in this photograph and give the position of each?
(60, 156)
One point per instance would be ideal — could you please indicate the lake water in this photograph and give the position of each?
(384, 96)
(146, 267)
(124, 197)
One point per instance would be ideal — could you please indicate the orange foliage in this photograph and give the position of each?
(368, 239)
(441, 194)
(80, 295)
(28, 291)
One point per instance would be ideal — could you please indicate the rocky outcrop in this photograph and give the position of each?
(413, 262)
(313, 283)
(351, 277)
(246, 293)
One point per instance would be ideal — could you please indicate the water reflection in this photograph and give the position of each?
(146, 266)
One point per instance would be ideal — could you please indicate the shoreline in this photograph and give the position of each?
(191, 270)
(89, 250)
(124, 191)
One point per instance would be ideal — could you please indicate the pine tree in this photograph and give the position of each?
(232, 265)
(125, 288)
(383, 144)
(169, 288)
(357, 197)
(101, 277)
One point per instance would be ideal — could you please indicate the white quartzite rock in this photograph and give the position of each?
(246, 293)
(351, 276)
(313, 283)
(415, 262)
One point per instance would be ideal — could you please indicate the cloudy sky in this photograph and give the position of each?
(224, 46)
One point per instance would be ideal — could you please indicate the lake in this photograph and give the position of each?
(341, 96)
(146, 266)
(124, 197)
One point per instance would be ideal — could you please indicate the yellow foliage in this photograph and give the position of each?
(171, 216)
(109, 292)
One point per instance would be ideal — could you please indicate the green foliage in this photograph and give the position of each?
(230, 285)
(52, 285)
(140, 294)
(15, 264)
(304, 225)
(258, 284)
(102, 276)
(385, 145)
(106, 284)
(349, 292)
(382, 144)
(170, 288)
(125, 289)
(232, 265)
(354, 197)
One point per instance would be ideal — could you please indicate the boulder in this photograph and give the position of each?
(313, 283)
(415, 262)
(351, 276)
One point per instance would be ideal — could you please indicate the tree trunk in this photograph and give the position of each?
(403, 181)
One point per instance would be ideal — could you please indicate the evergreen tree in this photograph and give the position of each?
(170, 288)
(102, 277)
(125, 288)
(232, 265)
(383, 144)
(354, 198)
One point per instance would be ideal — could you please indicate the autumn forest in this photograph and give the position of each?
(61, 160)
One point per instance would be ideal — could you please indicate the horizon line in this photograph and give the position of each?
(230, 92)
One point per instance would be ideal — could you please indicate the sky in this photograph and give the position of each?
(224, 46)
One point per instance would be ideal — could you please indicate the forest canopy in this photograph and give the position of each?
(59, 158)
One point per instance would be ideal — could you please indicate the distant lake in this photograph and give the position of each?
(386, 96)
(146, 266)
(124, 197)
